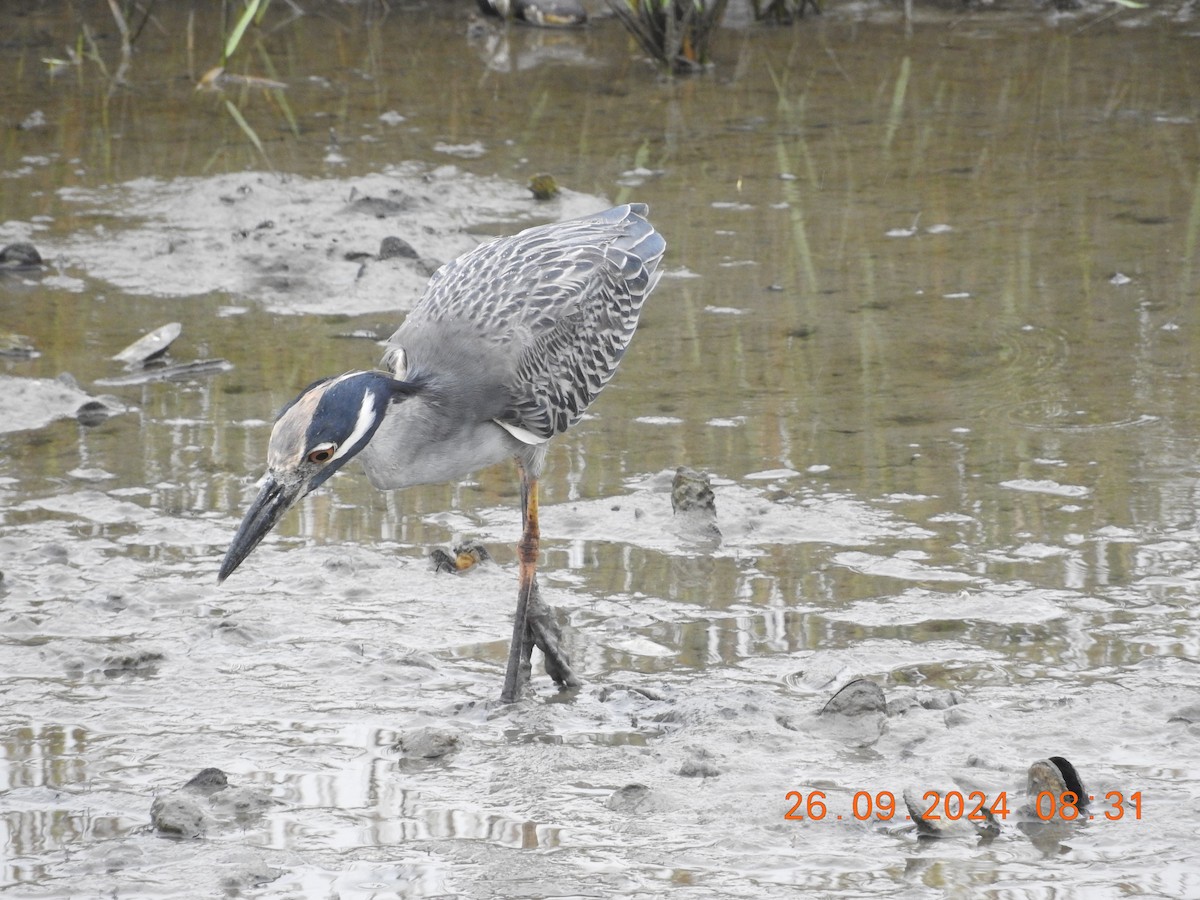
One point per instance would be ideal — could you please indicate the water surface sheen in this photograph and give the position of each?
(928, 322)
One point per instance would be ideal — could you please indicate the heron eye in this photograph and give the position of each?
(322, 454)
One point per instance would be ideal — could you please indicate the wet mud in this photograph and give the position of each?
(296, 244)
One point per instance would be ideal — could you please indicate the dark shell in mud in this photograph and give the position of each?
(1056, 775)
(20, 257)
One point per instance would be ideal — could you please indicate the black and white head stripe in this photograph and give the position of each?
(340, 413)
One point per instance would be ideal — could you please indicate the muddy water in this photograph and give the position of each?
(929, 324)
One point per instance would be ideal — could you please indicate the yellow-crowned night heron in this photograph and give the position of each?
(506, 348)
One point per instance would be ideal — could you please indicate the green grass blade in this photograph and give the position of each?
(277, 93)
(235, 36)
(245, 126)
(897, 110)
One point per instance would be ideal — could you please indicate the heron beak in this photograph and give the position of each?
(273, 500)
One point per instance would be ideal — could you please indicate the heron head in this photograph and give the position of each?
(315, 435)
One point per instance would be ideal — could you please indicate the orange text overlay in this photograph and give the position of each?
(973, 806)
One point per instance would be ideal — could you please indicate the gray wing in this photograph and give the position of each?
(532, 326)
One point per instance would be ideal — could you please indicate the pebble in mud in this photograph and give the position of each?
(940, 699)
(252, 873)
(856, 714)
(699, 765)
(206, 802)
(55, 553)
(543, 187)
(380, 207)
(178, 816)
(92, 413)
(1187, 715)
(207, 782)
(373, 277)
(392, 247)
(694, 504)
(858, 697)
(139, 665)
(428, 743)
(633, 798)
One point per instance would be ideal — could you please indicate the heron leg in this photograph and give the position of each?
(516, 675)
(533, 622)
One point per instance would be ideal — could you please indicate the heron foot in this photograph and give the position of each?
(543, 631)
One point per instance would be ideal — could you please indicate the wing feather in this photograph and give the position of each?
(535, 324)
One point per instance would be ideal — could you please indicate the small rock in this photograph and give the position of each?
(144, 664)
(942, 699)
(898, 706)
(691, 491)
(630, 799)
(253, 875)
(239, 805)
(955, 716)
(694, 504)
(205, 802)
(54, 552)
(340, 565)
(92, 413)
(380, 207)
(428, 743)
(857, 698)
(392, 247)
(1188, 714)
(543, 187)
(207, 782)
(698, 768)
(178, 816)
(699, 765)
(608, 692)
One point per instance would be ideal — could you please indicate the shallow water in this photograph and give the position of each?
(928, 322)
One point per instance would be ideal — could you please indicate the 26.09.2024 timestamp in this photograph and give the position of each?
(954, 805)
